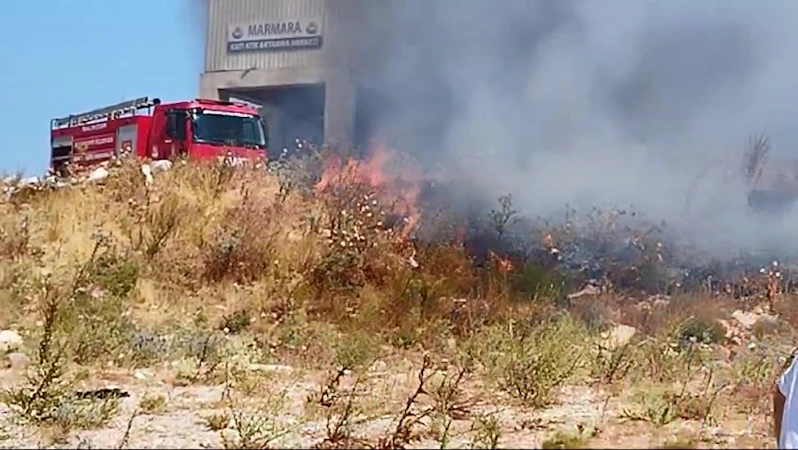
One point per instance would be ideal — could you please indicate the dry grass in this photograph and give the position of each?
(213, 272)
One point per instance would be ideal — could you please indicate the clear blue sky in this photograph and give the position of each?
(61, 57)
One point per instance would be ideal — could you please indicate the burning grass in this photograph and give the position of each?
(338, 303)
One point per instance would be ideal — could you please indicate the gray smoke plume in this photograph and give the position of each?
(641, 103)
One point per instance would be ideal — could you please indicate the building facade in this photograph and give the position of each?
(292, 58)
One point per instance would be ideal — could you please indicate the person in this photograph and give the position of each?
(785, 407)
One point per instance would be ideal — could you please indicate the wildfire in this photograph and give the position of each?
(504, 265)
(396, 183)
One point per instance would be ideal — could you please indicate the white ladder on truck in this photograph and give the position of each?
(108, 112)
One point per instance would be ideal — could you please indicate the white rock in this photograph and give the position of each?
(770, 319)
(29, 180)
(9, 340)
(746, 319)
(588, 290)
(147, 171)
(727, 326)
(618, 336)
(98, 174)
(379, 367)
(143, 374)
(161, 165)
(271, 368)
(18, 361)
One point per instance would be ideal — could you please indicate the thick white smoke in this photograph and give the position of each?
(647, 103)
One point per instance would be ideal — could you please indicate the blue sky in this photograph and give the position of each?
(62, 57)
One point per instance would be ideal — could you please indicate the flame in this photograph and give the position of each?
(503, 264)
(397, 184)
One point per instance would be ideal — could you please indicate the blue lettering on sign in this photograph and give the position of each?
(298, 43)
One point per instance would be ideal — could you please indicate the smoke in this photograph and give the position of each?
(196, 12)
(635, 103)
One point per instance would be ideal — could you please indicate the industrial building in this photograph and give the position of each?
(293, 58)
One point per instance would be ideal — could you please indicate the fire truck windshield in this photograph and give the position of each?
(228, 128)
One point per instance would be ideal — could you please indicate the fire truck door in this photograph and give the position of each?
(176, 133)
(126, 140)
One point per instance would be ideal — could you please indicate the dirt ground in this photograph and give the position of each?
(582, 416)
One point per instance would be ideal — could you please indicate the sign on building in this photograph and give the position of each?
(270, 36)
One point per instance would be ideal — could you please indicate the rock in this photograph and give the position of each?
(662, 301)
(588, 290)
(724, 353)
(147, 171)
(618, 336)
(18, 361)
(766, 324)
(378, 367)
(727, 326)
(9, 340)
(143, 374)
(271, 368)
(769, 319)
(746, 319)
(161, 165)
(98, 174)
(28, 181)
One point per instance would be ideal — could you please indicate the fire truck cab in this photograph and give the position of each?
(195, 129)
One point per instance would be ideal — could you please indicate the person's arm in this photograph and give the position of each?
(778, 410)
(783, 386)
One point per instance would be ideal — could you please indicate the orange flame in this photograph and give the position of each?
(503, 264)
(394, 182)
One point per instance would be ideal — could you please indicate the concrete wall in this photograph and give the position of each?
(329, 64)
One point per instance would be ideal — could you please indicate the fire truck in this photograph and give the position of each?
(194, 129)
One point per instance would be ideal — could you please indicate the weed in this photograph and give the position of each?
(125, 439)
(404, 431)
(534, 359)
(614, 364)
(146, 348)
(680, 443)
(662, 408)
(201, 353)
(257, 427)
(449, 404)
(239, 250)
(701, 330)
(354, 350)
(236, 322)
(46, 394)
(503, 216)
(153, 404)
(343, 414)
(486, 432)
(217, 421)
(562, 439)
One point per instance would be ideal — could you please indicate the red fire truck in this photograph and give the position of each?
(198, 129)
